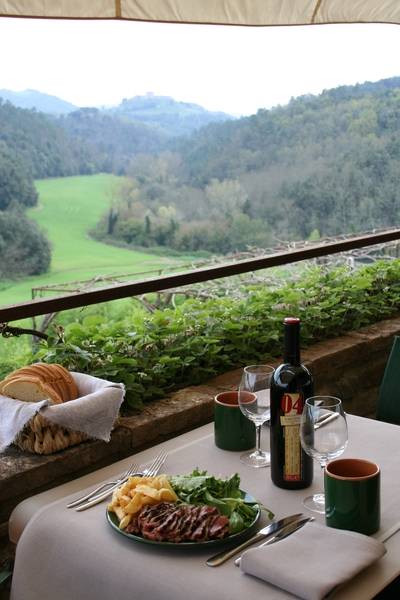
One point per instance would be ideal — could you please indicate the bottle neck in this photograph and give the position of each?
(291, 353)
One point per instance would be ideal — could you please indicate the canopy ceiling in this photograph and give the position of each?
(228, 12)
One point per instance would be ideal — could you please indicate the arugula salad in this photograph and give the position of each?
(199, 488)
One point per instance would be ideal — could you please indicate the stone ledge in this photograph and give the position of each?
(350, 366)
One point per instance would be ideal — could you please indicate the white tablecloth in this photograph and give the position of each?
(64, 554)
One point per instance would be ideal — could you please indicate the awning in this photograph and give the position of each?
(224, 12)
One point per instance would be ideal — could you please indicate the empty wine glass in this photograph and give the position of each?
(323, 435)
(256, 407)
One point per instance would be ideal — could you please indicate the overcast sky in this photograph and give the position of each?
(234, 69)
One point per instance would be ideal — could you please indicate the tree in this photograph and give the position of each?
(24, 249)
(128, 191)
(16, 186)
(226, 198)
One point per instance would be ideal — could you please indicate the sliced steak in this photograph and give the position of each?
(171, 522)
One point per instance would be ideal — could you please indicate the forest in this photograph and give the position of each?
(319, 166)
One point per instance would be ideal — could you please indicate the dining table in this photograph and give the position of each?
(65, 554)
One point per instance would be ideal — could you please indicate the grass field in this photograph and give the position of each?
(68, 207)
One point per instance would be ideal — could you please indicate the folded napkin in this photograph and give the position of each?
(93, 412)
(312, 561)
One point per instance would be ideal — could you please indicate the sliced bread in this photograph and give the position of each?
(39, 381)
(29, 389)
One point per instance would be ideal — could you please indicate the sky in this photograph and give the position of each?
(236, 70)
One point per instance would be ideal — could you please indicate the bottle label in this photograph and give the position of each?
(292, 407)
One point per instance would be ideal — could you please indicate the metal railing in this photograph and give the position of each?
(44, 306)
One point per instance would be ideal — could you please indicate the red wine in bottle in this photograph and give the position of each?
(291, 385)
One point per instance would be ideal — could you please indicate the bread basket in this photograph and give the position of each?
(40, 436)
(45, 408)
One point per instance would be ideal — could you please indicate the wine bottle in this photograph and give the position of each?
(291, 385)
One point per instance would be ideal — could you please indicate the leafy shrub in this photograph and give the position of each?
(154, 354)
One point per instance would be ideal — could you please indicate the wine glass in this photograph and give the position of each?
(255, 405)
(323, 435)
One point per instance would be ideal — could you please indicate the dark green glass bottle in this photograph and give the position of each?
(291, 385)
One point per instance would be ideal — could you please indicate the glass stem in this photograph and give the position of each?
(323, 465)
(258, 439)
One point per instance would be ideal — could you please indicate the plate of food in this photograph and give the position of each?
(197, 509)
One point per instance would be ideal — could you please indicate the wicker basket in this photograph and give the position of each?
(40, 436)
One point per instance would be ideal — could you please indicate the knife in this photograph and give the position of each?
(96, 499)
(269, 530)
(282, 533)
(99, 497)
(325, 420)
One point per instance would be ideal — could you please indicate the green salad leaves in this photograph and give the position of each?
(225, 494)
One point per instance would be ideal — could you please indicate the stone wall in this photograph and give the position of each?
(350, 367)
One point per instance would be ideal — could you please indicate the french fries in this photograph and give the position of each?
(130, 498)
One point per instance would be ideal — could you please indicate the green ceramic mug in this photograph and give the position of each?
(232, 430)
(352, 495)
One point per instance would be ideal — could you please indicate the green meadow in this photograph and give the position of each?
(68, 208)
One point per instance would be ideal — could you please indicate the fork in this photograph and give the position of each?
(151, 471)
(134, 468)
(156, 465)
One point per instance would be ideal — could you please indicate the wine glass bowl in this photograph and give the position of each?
(255, 406)
(254, 402)
(323, 436)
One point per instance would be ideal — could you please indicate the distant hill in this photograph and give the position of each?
(111, 140)
(41, 102)
(166, 114)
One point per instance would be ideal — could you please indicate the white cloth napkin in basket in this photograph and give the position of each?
(313, 561)
(94, 412)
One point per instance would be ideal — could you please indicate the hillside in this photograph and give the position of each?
(91, 140)
(310, 125)
(85, 141)
(38, 100)
(326, 162)
(40, 146)
(166, 114)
